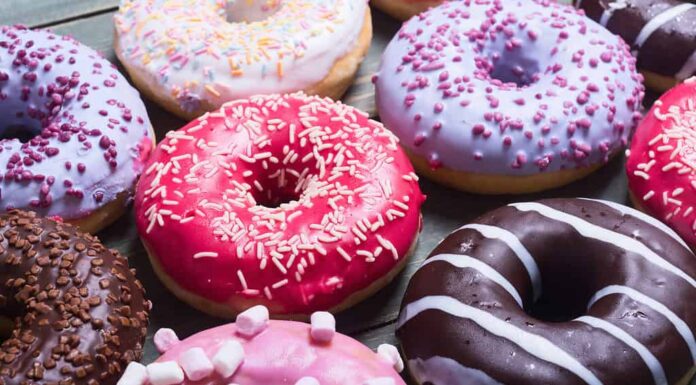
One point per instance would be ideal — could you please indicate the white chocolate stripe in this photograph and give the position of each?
(606, 16)
(464, 261)
(651, 361)
(589, 230)
(658, 21)
(535, 345)
(517, 247)
(444, 370)
(625, 210)
(679, 324)
(688, 69)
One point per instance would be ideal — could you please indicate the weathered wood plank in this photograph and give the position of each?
(49, 12)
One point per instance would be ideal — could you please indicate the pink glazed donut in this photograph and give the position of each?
(87, 131)
(295, 202)
(512, 96)
(256, 351)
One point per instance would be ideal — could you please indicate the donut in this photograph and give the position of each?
(559, 291)
(80, 316)
(293, 202)
(259, 351)
(661, 161)
(191, 56)
(404, 9)
(75, 134)
(515, 96)
(661, 34)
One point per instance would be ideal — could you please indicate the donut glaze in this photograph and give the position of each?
(205, 53)
(79, 312)
(508, 88)
(88, 127)
(662, 160)
(293, 202)
(622, 285)
(284, 352)
(662, 33)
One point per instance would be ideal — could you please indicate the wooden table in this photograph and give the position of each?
(372, 322)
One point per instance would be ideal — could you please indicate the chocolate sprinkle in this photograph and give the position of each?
(65, 292)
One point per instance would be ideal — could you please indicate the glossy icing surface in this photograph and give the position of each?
(596, 280)
(508, 87)
(295, 202)
(203, 49)
(88, 128)
(283, 353)
(653, 28)
(662, 160)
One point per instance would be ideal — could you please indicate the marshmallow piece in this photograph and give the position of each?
(228, 358)
(323, 326)
(252, 321)
(390, 354)
(307, 381)
(135, 374)
(165, 373)
(165, 339)
(380, 381)
(195, 364)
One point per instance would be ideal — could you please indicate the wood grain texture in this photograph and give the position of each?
(43, 13)
(372, 321)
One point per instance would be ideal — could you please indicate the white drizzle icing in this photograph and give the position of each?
(517, 247)
(625, 210)
(589, 230)
(679, 324)
(463, 261)
(534, 344)
(658, 21)
(688, 69)
(651, 361)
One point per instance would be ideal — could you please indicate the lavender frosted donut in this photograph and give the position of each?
(73, 133)
(508, 96)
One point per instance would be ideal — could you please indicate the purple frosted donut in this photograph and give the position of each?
(500, 96)
(73, 133)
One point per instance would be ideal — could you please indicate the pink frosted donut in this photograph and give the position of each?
(273, 352)
(662, 161)
(512, 96)
(294, 202)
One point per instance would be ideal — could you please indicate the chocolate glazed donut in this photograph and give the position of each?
(80, 315)
(560, 291)
(662, 35)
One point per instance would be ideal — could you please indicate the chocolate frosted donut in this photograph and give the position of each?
(79, 312)
(662, 35)
(560, 291)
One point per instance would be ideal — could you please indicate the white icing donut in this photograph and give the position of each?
(211, 51)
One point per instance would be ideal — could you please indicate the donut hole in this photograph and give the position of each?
(244, 11)
(565, 292)
(517, 70)
(21, 132)
(7, 326)
(277, 188)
